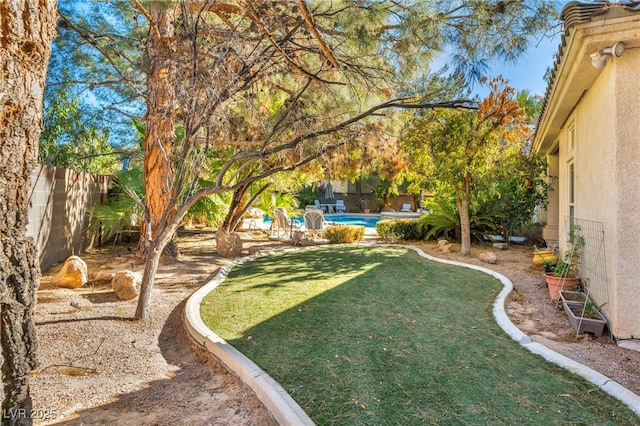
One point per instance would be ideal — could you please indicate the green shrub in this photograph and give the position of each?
(401, 229)
(337, 234)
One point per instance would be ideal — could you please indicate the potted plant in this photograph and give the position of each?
(542, 255)
(565, 275)
(550, 265)
(562, 278)
(584, 315)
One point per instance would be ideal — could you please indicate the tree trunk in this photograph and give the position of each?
(143, 309)
(237, 208)
(465, 225)
(159, 140)
(26, 32)
(465, 221)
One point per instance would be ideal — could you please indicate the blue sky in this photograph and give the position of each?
(528, 72)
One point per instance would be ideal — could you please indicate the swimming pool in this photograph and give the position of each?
(366, 220)
(361, 219)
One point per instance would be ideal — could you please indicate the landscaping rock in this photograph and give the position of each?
(488, 257)
(444, 246)
(228, 244)
(299, 239)
(102, 276)
(501, 246)
(125, 284)
(73, 274)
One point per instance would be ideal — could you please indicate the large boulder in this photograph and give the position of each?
(125, 284)
(73, 273)
(488, 257)
(444, 246)
(228, 244)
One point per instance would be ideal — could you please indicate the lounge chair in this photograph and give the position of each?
(340, 207)
(406, 207)
(314, 222)
(282, 225)
(318, 205)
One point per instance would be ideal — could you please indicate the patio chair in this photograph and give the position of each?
(317, 204)
(282, 224)
(314, 223)
(406, 207)
(340, 207)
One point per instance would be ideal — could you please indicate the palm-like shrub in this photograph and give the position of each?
(444, 221)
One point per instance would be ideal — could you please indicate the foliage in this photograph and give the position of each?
(402, 229)
(572, 256)
(307, 195)
(520, 183)
(550, 265)
(339, 234)
(99, 56)
(284, 84)
(121, 211)
(444, 221)
(268, 201)
(210, 210)
(461, 150)
(68, 142)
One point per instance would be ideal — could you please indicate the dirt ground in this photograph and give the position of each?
(99, 367)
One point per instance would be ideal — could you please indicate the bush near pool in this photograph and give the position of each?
(338, 234)
(403, 229)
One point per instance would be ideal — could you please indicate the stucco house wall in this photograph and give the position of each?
(627, 185)
(591, 119)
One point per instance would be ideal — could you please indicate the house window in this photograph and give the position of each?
(572, 185)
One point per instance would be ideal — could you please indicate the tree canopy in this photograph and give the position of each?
(283, 83)
(462, 150)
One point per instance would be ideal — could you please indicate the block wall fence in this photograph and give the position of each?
(60, 202)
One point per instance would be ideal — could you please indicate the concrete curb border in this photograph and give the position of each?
(284, 408)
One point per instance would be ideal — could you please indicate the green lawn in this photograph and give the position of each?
(378, 335)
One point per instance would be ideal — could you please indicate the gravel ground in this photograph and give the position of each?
(99, 367)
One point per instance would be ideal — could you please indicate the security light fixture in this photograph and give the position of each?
(599, 58)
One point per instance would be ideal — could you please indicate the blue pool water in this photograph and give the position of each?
(366, 220)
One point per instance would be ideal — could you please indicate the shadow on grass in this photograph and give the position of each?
(381, 336)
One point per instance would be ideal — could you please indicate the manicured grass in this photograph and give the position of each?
(378, 335)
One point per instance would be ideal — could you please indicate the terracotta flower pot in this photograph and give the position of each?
(557, 284)
(541, 256)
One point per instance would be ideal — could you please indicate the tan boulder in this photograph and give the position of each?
(228, 244)
(73, 273)
(444, 246)
(488, 257)
(125, 284)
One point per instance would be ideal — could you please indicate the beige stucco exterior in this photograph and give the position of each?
(591, 120)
